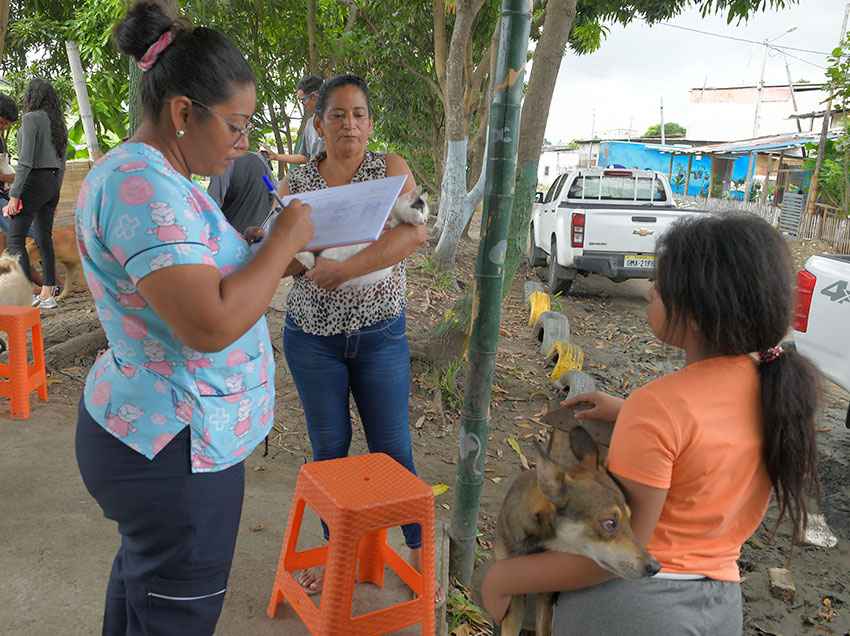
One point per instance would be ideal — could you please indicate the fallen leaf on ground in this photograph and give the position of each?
(439, 489)
(515, 445)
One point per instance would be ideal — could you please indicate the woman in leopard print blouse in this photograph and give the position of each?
(352, 341)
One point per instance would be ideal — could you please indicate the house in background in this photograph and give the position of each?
(556, 160)
(728, 113)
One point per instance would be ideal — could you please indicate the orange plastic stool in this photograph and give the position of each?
(18, 378)
(359, 498)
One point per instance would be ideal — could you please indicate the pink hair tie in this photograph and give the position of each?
(152, 54)
(770, 354)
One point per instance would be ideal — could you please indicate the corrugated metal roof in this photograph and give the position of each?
(758, 144)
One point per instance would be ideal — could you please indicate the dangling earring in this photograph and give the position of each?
(180, 133)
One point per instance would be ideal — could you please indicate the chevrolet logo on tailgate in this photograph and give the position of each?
(643, 232)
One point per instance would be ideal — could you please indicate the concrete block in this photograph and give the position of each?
(551, 327)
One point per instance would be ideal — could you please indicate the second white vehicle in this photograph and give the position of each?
(600, 221)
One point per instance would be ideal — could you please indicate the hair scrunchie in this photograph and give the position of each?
(155, 50)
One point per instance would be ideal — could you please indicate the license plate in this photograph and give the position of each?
(637, 261)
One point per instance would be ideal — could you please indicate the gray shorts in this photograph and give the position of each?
(650, 607)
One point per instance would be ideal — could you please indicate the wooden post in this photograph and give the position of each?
(780, 180)
(688, 175)
(751, 168)
(710, 178)
(763, 195)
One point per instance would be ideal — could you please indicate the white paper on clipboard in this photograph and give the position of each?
(350, 214)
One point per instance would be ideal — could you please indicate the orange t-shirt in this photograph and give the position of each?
(698, 434)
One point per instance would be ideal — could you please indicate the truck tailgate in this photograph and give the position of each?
(627, 229)
(825, 340)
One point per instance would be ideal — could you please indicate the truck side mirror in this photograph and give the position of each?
(538, 197)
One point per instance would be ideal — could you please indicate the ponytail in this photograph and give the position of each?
(789, 395)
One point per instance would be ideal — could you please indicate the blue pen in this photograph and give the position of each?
(270, 185)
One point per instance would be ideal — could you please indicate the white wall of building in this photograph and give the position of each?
(728, 114)
(555, 160)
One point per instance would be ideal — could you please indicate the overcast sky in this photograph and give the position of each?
(638, 65)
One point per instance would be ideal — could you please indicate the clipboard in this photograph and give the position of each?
(351, 214)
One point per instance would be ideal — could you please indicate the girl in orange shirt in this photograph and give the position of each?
(696, 452)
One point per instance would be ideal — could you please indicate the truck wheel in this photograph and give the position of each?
(535, 257)
(558, 283)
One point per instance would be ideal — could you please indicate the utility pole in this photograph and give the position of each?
(812, 199)
(592, 137)
(793, 97)
(759, 92)
(663, 135)
(489, 272)
(761, 78)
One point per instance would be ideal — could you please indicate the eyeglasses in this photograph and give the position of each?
(236, 130)
(306, 98)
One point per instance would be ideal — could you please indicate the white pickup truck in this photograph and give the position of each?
(600, 221)
(822, 317)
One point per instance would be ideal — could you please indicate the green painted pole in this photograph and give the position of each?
(487, 296)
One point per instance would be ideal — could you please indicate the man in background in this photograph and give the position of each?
(240, 192)
(309, 144)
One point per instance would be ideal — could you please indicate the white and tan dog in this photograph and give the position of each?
(15, 289)
(411, 208)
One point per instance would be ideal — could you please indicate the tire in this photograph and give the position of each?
(534, 256)
(557, 282)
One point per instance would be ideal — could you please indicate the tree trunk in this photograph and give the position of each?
(82, 93)
(134, 98)
(4, 25)
(560, 15)
(440, 52)
(453, 188)
(312, 47)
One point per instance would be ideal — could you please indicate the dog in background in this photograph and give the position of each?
(66, 252)
(578, 509)
(411, 208)
(15, 289)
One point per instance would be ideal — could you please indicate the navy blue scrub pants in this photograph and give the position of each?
(177, 528)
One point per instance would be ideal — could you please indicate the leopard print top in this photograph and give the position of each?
(324, 312)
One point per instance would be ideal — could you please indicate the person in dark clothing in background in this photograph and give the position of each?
(42, 141)
(8, 116)
(241, 193)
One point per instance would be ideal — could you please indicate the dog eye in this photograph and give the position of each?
(609, 525)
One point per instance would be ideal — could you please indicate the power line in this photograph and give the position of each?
(736, 39)
(799, 59)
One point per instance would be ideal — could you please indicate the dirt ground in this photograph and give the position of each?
(57, 548)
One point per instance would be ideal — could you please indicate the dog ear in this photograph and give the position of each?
(551, 478)
(584, 447)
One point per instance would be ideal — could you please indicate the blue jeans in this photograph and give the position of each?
(373, 365)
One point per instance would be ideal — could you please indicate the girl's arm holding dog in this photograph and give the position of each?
(560, 571)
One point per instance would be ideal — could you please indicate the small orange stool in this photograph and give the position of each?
(359, 498)
(18, 378)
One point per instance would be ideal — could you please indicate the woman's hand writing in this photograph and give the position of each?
(602, 407)
(294, 225)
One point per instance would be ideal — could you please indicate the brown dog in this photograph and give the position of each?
(67, 253)
(578, 509)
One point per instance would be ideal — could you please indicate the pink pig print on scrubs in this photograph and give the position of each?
(128, 296)
(121, 423)
(243, 418)
(166, 229)
(157, 363)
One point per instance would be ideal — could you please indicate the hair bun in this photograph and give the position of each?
(141, 27)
